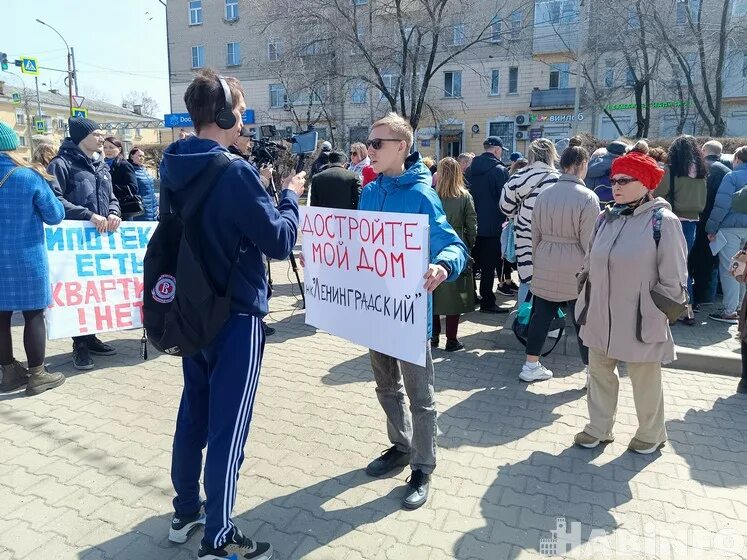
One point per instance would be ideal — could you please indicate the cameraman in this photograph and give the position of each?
(220, 381)
(243, 148)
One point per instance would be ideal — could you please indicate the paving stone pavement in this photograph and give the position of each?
(84, 469)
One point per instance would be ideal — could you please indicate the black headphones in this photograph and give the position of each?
(224, 116)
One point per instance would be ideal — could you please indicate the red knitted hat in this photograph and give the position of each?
(640, 167)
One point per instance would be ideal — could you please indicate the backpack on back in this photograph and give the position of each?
(183, 311)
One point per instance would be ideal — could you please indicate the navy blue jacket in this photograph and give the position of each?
(238, 208)
(486, 177)
(84, 186)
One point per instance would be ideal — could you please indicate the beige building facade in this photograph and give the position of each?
(20, 109)
(518, 83)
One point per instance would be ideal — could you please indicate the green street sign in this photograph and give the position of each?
(17, 98)
(79, 112)
(40, 125)
(29, 65)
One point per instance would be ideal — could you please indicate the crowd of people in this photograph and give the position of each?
(605, 238)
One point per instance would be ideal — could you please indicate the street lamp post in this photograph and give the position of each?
(69, 66)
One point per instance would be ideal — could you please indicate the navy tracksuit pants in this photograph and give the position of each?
(216, 407)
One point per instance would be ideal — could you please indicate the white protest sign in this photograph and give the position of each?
(97, 279)
(363, 278)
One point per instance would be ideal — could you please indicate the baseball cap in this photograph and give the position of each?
(516, 156)
(493, 141)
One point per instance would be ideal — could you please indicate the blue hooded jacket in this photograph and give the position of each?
(238, 208)
(722, 216)
(412, 193)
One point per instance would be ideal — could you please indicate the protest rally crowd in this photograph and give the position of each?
(627, 241)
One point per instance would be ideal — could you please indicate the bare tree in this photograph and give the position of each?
(400, 45)
(703, 75)
(149, 106)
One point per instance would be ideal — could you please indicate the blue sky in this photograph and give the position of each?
(120, 45)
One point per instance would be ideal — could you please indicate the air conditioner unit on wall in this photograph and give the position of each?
(522, 134)
(522, 120)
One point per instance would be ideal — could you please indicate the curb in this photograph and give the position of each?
(688, 359)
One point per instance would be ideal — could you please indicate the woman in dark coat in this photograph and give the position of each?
(123, 175)
(454, 298)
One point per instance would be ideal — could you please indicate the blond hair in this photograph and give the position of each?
(20, 162)
(43, 154)
(542, 150)
(429, 162)
(398, 126)
(359, 149)
(450, 179)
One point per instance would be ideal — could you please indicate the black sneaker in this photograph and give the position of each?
(269, 331)
(453, 345)
(238, 547)
(389, 460)
(81, 356)
(182, 526)
(417, 490)
(494, 309)
(99, 348)
(504, 290)
(434, 342)
(742, 387)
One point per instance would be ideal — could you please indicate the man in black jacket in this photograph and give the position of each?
(334, 186)
(486, 177)
(84, 186)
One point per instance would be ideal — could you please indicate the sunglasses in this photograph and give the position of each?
(622, 181)
(376, 143)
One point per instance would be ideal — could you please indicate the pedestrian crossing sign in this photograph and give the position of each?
(79, 112)
(17, 98)
(40, 125)
(29, 65)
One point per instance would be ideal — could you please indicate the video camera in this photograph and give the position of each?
(266, 151)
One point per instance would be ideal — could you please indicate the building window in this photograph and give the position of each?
(630, 78)
(360, 2)
(390, 83)
(138, 133)
(452, 84)
(195, 12)
(495, 30)
(559, 76)
(21, 140)
(683, 7)
(556, 11)
(458, 35)
(198, 56)
(513, 79)
(274, 48)
(505, 131)
(517, 21)
(744, 64)
(358, 94)
(232, 10)
(739, 8)
(233, 54)
(20, 117)
(495, 82)
(278, 96)
(609, 74)
(691, 59)
(311, 47)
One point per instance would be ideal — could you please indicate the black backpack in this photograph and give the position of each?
(183, 311)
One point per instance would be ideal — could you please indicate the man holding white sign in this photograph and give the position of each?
(392, 251)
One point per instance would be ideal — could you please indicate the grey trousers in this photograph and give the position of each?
(412, 431)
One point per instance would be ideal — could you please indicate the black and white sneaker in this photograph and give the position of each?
(238, 547)
(182, 526)
(98, 347)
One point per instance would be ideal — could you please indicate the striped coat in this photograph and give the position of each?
(517, 201)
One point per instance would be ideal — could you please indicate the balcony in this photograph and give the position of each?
(551, 38)
(564, 98)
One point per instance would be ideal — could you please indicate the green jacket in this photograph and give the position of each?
(457, 297)
(689, 195)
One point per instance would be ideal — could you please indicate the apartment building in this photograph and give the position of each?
(21, 108)
(519, 82)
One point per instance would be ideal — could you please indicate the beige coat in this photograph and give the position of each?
(615, 308)
(562, 223)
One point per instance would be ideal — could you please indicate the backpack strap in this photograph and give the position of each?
(656, 225)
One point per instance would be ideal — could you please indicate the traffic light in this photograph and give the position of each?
(3, 61)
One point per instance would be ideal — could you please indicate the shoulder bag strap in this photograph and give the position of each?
(7, 176)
